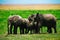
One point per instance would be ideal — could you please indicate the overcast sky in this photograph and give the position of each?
(29, 1)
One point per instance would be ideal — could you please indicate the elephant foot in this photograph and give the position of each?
(15, 33)
(10, 33)
(21, 33)
(26, 33)
(50, 32)
(30, 32)
(55, 32)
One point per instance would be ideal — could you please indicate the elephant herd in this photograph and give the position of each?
(33, 24)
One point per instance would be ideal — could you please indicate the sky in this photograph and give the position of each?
(29, 1)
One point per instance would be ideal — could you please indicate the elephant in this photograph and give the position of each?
(47, 20)
(40, 20)
(33, 28)
(29, 26)
(12, 20)
(17, 21)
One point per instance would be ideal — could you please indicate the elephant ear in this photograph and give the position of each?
(31, 17)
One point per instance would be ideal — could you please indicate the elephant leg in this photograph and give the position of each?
(10, 29)
(37, 27)
(26, 31)
(37, 30)
(41, 30)
(54, 26)
(30, 31)
(15, 29)
(55, 30)
(49, 30)
(21, 30)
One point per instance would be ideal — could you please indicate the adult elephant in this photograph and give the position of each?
(47, 20)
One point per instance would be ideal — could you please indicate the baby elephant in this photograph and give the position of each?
(17, 21)
(12, 21)
(34, 28)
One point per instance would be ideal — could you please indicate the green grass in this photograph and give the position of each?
(4, 14)
(32, 37)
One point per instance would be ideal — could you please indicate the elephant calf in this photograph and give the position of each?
(17, 21)
(12, 21)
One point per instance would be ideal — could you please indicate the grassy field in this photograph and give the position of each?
(4, 14)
